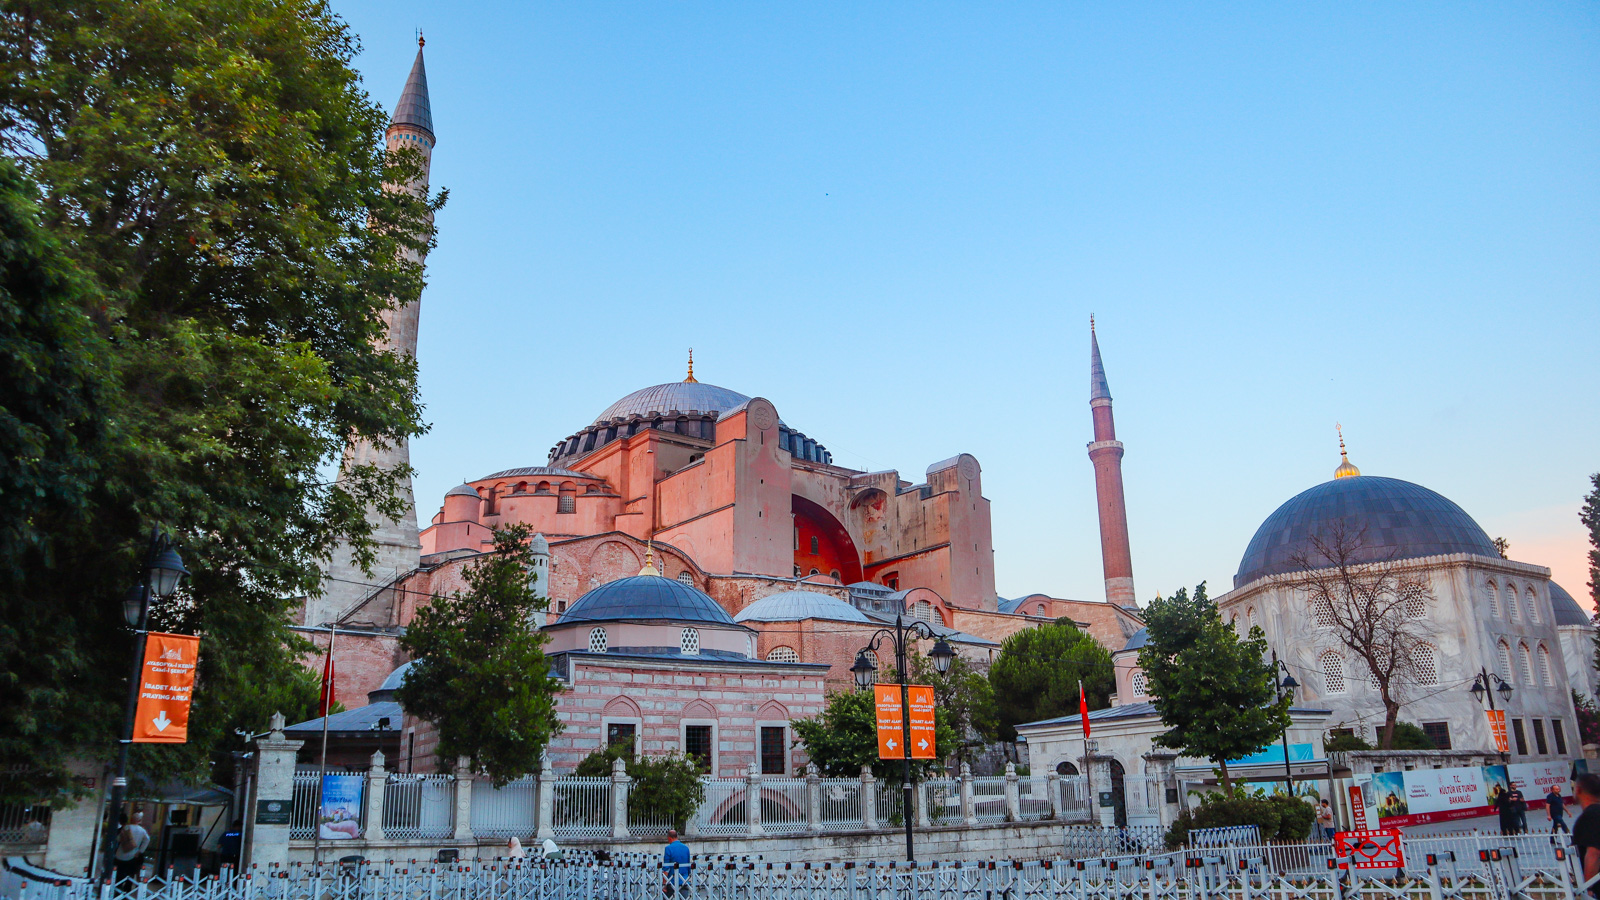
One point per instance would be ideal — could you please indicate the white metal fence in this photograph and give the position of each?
(785, 807)
(840, 804)
(581, 807)
(508, 811)
(723, 810)
(989, 798)
(419, 806)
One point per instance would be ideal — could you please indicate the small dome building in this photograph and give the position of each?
(1471, 613)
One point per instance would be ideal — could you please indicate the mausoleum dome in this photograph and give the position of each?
(796, 606)
(648, 598)
(1396, 520)
(1566, 609)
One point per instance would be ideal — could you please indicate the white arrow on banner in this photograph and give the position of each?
(922, 744)
(891, 743)
(161, 721)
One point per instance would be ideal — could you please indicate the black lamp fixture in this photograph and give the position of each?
(864, 671)
(1504, 690)
(942, 656)
(1478, 690)
(1289, 684)
(166, 568)
(133, 605)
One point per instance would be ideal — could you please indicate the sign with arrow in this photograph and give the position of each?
(891, 723)
(166, 683)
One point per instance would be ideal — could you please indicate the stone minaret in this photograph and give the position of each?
(1106, 452)
(348, 591)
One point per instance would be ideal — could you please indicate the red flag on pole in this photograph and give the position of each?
(328, 698)
(1083, 709)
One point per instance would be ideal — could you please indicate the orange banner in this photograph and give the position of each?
(922, 703)
(890, 724)
(166, 682)
(1497, 727)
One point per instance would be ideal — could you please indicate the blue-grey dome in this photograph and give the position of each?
(396, 678)
(678, 395)
(1396, 520)
(1566, 609)
(1139, 639)
(794, 606)
(645, 597)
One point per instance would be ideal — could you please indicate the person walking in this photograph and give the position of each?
(1513, 809)
(1586, 829)
(1556, 806)
(132, 841)
(1325, 820)
(676, 863)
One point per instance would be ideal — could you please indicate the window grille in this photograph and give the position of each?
(1250, 618)
(1415, 597)
(1520, 737)
(923, 610)
(1504, 658)
(782, 655)
(1439, 733)
(1425, 662)
(773, 750)
(1322, 610)
(1511, 603)
(567, 503)
(1544, 667)
(597, 640)
(1558, 732)
(685, 577)
(1333, 672)
(697, 744)
(1494, 600)
(689, 643)
(1533, 608)
(1538, 737)
(1137, 683)
(1526, 659)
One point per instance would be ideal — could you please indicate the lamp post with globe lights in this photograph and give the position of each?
(1284, 685)
(1482, 691)
(866, 672)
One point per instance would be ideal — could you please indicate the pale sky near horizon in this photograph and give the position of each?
(894, 220)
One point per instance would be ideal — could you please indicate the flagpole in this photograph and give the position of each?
(322, 769)
(1088, 766)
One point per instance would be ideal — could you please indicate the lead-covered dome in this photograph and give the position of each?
(797, 606)
(677, 396)
(1567, 611)
(1397, 520)
(646, 597)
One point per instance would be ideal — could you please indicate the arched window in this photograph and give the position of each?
(834, 574)
(1322, 611)
(689, 643)
(1494, 600)
(1533, 607)
(685, 577)
(1136, 683)
(1066, 768)
(1545, 677)
(597, 640)
(1250, 618)
(1415, 597)
(567, 499)
(1040, 611)
(1425, 663)
(1525, 658)
(1504, 659)
(1512, 606)
(1333, 672)
(871, 657)
(923, 610)
(783, 655)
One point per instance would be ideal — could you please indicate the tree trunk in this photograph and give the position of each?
(1227, 783)
(1391, 714)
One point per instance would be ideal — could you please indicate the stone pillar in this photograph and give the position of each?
(969, 808)
(869, 799)
(1013, 794)
(372, 803)
(813, 798)
(1052, 783)
(1099, 783)
(752, 799)
(619, 798)
(463, 786)
(692, 826)
(1160, 765)
(275, 753)
(919, 804)
(547, 800)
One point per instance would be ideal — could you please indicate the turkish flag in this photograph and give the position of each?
(328, 698)
(1083, 710)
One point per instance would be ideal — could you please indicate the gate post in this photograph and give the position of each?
(813, 798)
(619, 798)
(969, 809)
(869, 799)
(463, 785)
(372, 815)
(546, 800)
(1052, 783)
(275, 754)
(1013, 794)
(752, 799)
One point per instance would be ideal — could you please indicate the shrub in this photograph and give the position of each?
(668, 786)
(1341, 742)
(1278, 817)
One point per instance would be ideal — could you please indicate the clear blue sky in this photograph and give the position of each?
(893, 221)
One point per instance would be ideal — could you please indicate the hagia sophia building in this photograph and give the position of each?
(711, 573)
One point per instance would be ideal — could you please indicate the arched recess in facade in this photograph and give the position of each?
(822, 543)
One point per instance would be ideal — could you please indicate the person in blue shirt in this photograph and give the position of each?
(675, 863)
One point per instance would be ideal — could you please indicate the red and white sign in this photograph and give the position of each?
(891, 726)
(1378, 848)
(1358, 806)
(1535, 780)
(1497, 727)
(922, 703)
(166, 682)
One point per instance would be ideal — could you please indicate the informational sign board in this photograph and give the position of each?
(891, 723)
(273, 812)
(1497, 727)
(166, 684)
(1378, 848)
(1426, 796)
(340, 815)
(1358, 806)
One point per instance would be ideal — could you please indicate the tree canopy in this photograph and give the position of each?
(1215, 691)
(966, 697)
(1037, 672)
(844, 737)
(479, 674)
(187, 335)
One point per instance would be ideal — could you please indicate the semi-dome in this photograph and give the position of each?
(680, 396)
(794, 606)
(1396, 520)
(1566, 609)
(646, 597)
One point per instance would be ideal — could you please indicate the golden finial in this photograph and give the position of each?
(1091, 323)
(649, 560)
(1346, 468)
(421, 41)
(690, 379)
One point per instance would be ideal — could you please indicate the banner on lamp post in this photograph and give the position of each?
(1497, 727)
(922, 732)
(166, 684)
(891, 731)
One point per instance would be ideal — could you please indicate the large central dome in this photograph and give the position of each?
(677, 396)
(1396, 520)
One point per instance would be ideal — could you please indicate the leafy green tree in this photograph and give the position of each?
(844, 737)
(1215, 691)
(1037, 672)
(1408, 736)
(1588, 718)
(966, 697)
(480, 676)
(1341, 742)
(211, 177)
(668, 786)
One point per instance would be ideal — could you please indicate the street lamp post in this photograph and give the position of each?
(866, 671)
(163, 569)
(1484, 686)
(1284, 685)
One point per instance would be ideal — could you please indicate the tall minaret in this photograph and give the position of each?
(1106, 452)
(398, 548)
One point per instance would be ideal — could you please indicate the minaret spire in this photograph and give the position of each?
(1106, 454)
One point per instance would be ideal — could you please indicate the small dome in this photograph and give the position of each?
(1139, 639)
(678, 395)
(542, 472)
(1566, 609)
(794, 606)
(1398, 519)
(396, 678)
(462, 490)
(645, 597)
